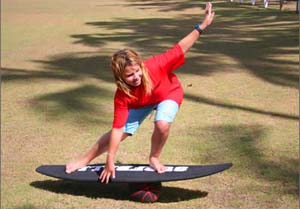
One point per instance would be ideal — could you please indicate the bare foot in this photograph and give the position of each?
(156, 165)
(74, 165)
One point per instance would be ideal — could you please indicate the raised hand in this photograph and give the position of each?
(209, 16)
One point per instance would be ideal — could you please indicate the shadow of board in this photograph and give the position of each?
(116, 191)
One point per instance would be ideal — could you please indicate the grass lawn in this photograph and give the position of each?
(241, 100)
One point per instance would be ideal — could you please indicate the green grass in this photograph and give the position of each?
(241, 100)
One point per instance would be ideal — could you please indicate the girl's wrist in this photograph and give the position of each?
(203, 26)
(110, 157)
(200, 27)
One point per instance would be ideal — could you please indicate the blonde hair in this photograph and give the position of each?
(119, 61)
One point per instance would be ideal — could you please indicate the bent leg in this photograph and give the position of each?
(97, 149)
(158, 140)
(165, 115)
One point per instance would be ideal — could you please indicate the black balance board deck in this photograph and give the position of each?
(131, 173)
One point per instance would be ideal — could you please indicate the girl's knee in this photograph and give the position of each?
(162, 127)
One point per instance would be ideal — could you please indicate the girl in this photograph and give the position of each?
(143, 86)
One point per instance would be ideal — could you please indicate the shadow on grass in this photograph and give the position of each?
(165, 6)
(241, 144)
(26, 206)
(116, 191)
(85, 104)
(68, 67)
(256, 50)
(213, 102)
(259, 41)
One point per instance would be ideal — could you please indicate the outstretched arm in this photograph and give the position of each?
(114, 141)
(188, 41)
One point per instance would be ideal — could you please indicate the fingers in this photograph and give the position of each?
(208, 8)
(209, 17)
(105, 176)
(212, 15)
(102, 175)
(113, 174)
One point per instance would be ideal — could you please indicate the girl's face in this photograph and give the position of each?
(133, 75)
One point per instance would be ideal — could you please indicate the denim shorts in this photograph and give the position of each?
(165, 111)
